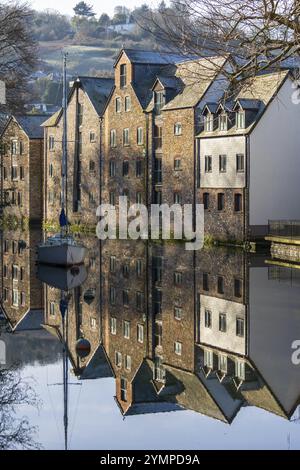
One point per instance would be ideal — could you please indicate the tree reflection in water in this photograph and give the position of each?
(16, 433)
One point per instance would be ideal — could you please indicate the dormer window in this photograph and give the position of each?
(159, 101)
(123, 75)
(240, 119)
(223, 122)
(209, 122)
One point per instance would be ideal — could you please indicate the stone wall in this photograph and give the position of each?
(286, 252)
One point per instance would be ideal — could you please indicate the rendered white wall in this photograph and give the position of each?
(212, 336)
(274, 317)
(275, 161)
(230, 146)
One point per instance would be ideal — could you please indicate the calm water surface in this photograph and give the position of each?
(186, 350)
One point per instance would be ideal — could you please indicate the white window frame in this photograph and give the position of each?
(127, 103)
(118, 104)
(140, 136)
(113, 138)
(15, 298)
(177, 128)
(178, 313)
(208, 163)
(126, 329)
(178, 348)
(240, 119)
(127, 362)
(113, 326)
(126, 137)
(118, 359)
(208, 358)
(209, 122)
(140, 333)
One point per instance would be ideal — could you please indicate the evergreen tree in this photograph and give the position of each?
(83, 9)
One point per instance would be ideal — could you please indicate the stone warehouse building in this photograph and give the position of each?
(166, 129)
(151, 121)
(22, 168)
(129, 128)
(86, 103)
(21, 298)
(201, 348)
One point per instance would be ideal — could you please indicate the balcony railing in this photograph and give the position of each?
(284, 228)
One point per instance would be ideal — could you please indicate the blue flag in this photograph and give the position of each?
(63, 305)
(63, 219)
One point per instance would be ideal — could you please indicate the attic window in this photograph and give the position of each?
(123, 75)
(240, 119)
(222, 363)
(208, 359)
(209, 122)
(159, 101)
(223, 122)
(80, 114)
(14, 147)
(240, 370)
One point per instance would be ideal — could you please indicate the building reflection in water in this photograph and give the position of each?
(210, 331)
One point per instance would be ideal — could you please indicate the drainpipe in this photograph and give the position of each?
(148, 203)
(246, 191)
(101, 180)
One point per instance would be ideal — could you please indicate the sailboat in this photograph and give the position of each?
(62, 249)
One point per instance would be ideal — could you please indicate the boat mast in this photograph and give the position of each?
(64, 188)
(64, 311)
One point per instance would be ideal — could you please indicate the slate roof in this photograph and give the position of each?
(211, 107)
(250, 104)
(52, 121)
(31, 320)
(143, 89)
(197, 76)
(262, 88)
(170, 82)
(98, 90)
(31, 124)
(151, 57)
(182, 390)
(97, 367)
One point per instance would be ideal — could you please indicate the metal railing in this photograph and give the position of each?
(284, 228)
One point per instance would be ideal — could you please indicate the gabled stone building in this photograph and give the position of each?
(129, 128)
(22, 168)
(86, 104)
(21, 296)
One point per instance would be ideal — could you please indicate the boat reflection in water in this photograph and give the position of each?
(65, 280)
(210, 331)
(62, 278)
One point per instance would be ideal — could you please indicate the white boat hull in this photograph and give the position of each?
(61, 255)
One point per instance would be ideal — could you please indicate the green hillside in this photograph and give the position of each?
(82, 59)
